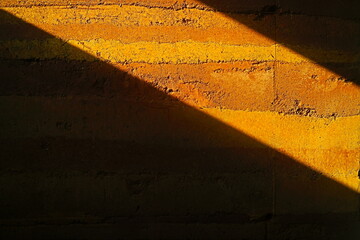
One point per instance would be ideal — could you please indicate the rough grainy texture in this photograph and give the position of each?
(164, 119)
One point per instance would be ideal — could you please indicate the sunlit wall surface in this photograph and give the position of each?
(179, 119)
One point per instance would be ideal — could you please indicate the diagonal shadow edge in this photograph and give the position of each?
(300, 43)
(202, 122)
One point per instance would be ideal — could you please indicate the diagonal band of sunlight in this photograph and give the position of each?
(248, 124)
(293, 52)
(286, 185)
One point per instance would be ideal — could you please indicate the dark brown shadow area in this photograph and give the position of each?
(326, 32)
(85, 143)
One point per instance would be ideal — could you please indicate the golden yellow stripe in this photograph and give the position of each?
(142, 33)
(154, 52)
(149, 52)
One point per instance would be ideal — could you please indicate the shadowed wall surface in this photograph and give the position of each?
(152, 119)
